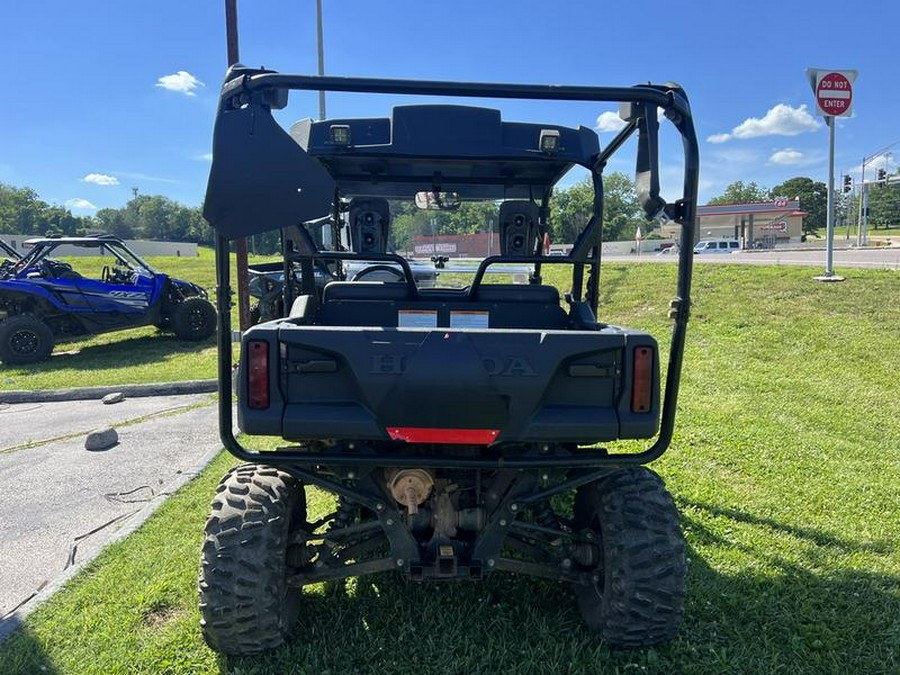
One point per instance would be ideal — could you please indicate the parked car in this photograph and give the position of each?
(718, 246)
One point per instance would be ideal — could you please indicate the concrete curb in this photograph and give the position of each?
(130, 390)
(12, 623)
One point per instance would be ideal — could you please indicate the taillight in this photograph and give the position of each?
(258, 374)
(642, 381)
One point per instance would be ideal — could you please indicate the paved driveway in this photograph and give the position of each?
(60, 503)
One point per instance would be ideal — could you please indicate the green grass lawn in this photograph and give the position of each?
(785, 466)
(840, 232)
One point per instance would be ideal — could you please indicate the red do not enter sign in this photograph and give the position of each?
(834, 94)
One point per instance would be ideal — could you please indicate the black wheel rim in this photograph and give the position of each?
(196, 320)
(25, 342)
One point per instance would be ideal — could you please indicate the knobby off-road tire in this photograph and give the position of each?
(193, 319)
(24, 339)
(638, 597)
(246, 605)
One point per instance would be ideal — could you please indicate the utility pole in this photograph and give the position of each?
(863, 206)
(321, 48)
(862, 222)
(243, 291)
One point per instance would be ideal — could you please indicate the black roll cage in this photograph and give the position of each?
(42, 248)
(638, 106)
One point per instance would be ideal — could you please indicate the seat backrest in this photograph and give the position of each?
(365, 290)
(517, 293)
(379, 303)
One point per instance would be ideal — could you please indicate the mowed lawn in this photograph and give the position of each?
(785, 466)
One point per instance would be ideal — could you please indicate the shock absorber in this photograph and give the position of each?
(344, 515)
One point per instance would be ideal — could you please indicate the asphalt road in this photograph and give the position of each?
(61, 503)
(873, 258)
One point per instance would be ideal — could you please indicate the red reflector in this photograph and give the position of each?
(258, 374)
(448, 436)
(642, 382)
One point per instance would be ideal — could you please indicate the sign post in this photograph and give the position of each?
(834, 98)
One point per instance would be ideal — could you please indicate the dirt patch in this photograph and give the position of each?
(162, 616)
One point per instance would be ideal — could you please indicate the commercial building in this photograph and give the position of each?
(755, 225)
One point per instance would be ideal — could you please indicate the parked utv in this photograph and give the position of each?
(44, 300)
(447, 420)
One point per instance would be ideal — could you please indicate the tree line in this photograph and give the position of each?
(153, 217)
(156, 217)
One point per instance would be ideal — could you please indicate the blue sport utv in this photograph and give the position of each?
(44, 300)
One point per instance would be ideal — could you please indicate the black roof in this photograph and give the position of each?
(263, 178)
(453, 148)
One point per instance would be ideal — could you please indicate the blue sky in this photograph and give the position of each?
(106, 96)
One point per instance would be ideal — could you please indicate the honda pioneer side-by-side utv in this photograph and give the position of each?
(459, 425)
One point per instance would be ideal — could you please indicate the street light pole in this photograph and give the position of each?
(862, 199)
(321, 49)
(862, 222)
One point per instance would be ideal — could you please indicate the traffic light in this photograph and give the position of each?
(881, 174)
(848, 183)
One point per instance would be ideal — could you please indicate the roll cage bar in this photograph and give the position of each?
(239, 187)
(41, 248)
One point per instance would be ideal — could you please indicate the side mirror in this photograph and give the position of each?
(646, 173)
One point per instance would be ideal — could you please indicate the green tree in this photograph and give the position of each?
(20, 210)
(742, 193)
(23, 212)
(884, 205)
(813, 196)
(112, 221)
(570, 209)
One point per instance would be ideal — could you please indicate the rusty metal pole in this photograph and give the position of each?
(243, 292)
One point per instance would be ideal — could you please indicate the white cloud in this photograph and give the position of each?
(609, 121)
(182, 82)
(782, 120)
(143, 176)
(205, 157)
(79, 204)
(100, 179)
(787, 156)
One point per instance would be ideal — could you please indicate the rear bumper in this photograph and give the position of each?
(529, 386)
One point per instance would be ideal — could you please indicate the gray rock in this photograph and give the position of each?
(115, 397)
(101, 439)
